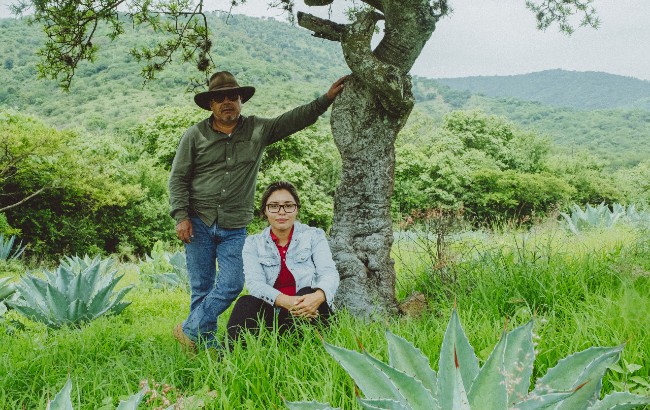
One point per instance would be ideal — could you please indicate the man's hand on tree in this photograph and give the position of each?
(336, 88)
(184, 230)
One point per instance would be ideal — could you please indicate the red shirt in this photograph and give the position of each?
(285, 282)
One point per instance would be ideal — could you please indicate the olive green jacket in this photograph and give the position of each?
(213, 175)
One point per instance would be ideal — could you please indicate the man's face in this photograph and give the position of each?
(226, 106)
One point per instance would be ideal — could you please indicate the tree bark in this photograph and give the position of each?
(362, 232)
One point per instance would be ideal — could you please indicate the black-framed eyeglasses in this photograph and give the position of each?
(231, 95)
(275, 208)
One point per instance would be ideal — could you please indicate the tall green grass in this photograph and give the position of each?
(583, 291)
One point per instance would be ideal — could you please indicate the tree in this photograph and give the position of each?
(78, 192)
(30, 155)
(365, 119)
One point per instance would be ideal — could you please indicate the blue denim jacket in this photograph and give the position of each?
(308, 258)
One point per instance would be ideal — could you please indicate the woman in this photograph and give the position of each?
(288, 268)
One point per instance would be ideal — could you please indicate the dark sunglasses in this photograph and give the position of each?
(231, 95)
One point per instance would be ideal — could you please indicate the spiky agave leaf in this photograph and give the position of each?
(416, 396)
(33, 314)
(518, 361)
(6, 248)
(620, 401)
(7, 292)
(62, 399)
(583, 369)
(574, 383)
(488, 390)
(458, 396)
(133, 401)
(455, 348)
(6, 288)
(541, 402)
(380, 404)
(31, 301)
(169, 270)
(571, 224)
(403, 356)
(76, 264)
(178, 261)
(371, 381)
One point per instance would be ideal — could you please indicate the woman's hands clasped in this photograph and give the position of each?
(305, 306)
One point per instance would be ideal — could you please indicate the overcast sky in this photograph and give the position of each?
(498, 37)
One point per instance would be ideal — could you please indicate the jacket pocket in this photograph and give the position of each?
(303, 255)
(271, 268)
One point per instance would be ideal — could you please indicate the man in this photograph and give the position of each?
(212, 189)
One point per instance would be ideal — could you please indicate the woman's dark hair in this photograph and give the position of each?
(277, 186)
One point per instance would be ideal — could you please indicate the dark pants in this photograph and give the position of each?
(250, 313)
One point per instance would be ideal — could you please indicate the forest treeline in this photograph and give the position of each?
(619, 136)
(86, 172)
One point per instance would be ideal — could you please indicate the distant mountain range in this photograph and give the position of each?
(582, 90)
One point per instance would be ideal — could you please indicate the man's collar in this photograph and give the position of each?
(210, 121)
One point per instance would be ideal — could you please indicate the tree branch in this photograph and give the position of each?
(71, 26)
(391, 85)
(561, 12)
(318, 2)
(409, 25)
(322, 28)
(23, 200)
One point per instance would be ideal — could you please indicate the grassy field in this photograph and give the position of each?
(582, 291)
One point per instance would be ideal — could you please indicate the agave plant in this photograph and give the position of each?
(6, 247)
(7, 291)
(407, 382)
(69, 298)
(62, 399)
(636, 218)
(593, 217)
(165, 270)
(77, 264)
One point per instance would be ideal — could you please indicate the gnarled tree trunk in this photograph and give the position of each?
(362, 234)
(366, 118)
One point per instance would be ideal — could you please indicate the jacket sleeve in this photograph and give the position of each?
(326, 277)
(180, 179)
(254, 273)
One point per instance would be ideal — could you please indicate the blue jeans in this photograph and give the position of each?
(212, 294)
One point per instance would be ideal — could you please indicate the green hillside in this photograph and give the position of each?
(581, 90)
(285, 63)
(619, 136)
(289, 66)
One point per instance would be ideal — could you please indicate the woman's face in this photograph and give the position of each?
(281, 220)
